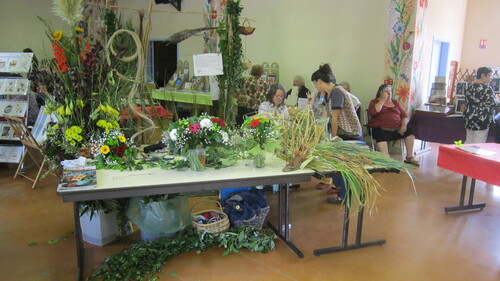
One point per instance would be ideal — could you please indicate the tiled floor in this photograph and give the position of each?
(423, 243)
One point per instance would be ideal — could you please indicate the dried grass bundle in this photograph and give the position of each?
(351, 161)
(299, 136)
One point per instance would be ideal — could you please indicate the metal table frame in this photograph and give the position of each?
(207, 180)
(359, 226)
(470, 205)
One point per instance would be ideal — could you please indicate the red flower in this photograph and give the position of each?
(423, 3)
(214, 14)
(219, 121)
(255, 123)
(194, 127)
(406, 46)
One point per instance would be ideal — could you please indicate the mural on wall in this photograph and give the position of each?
(399, 54)
(213, 13)
(418, 57)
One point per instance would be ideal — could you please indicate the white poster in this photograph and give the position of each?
(207, 64)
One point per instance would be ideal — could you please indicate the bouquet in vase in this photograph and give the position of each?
(192, 136)
(260, 134)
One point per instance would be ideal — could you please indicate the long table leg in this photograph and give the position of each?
(345, 232)
(80, 254)
(470, 205)
(283, 230)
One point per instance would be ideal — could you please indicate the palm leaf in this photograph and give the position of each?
(69, 10)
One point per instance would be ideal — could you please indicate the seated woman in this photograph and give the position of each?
(275, 103)
(388, 122)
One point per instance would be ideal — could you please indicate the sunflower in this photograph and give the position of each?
(104, 149)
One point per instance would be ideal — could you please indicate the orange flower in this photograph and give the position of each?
(403, 93)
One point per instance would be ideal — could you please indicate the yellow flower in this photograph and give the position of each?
(68, 110)
(104, 149)
(79, 29)
(73, 143)
(76, 129)
(60, 110)
(57, 35)
(122, 139)
(79, 103)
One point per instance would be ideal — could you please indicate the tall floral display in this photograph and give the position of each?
(86, 86)
(399, 56)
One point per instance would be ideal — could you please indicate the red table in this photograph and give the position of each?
(484, 168)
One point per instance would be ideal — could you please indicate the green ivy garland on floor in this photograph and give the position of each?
(145, 258)
(232, 55)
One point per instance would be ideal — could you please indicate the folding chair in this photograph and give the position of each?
(31, 148)
(373, 142)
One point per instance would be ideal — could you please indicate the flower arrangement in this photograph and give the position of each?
(197, 131)
(83, 82)
(113, 150)
(192, 136)
(260, 134)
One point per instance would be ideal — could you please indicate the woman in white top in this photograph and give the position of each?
(275, 106)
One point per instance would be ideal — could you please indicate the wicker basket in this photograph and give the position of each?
(245, 28)
(257, 220)
(213, 227)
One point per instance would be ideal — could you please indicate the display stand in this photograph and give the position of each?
(14, 101)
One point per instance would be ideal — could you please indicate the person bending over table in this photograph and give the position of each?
(344, 122)
(275, 103)
(388, 122)
(480, 107)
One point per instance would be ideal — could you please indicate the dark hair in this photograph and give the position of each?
(324, 73)
(483, 70)
(381, 89)
(256, 70)
(272, 91)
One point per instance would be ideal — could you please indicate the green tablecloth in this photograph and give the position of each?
(195, 98)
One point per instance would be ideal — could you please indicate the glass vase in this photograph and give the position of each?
(259, 160)
(197, 158)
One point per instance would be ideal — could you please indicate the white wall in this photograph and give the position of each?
(445, 20)
(483, 22)
(298, 35)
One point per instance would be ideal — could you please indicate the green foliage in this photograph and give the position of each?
(143, 259)
(232, 55)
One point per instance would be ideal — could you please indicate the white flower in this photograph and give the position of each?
(173, 134)
(225, 137)
(206, 123)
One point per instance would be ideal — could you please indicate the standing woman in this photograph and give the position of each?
(344, 121)
(275, 103)
(254, 93)
(480, 107)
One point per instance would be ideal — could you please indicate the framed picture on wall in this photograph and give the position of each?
(459, 106)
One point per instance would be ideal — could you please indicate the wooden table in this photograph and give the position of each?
(484, 168)
(116, 184)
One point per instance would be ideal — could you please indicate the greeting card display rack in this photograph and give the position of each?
(14, 101)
